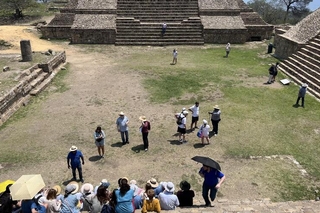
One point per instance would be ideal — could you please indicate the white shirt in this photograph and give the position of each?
(184, 122)
(205, 130)
(195, 111)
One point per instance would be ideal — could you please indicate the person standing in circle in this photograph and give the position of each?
(145, 128)
(215, 119)
(99, 137)
(175, 56)
(73, 161)
(122, 126)
(195, 115)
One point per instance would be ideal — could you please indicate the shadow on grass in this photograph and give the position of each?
(137, 148)
(198, 145)
(117, 144)
(174, 142)
(296, 105)
(94, 158)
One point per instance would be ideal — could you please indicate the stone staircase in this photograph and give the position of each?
(139, 22)
(304, 66)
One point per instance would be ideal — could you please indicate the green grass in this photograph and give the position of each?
(257, 120)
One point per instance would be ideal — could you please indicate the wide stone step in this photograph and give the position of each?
(169, 5)
(309, 53)
(158, 43)
(308, 64)
(308, 58)
(39, 79)
(314, 44)
(316, 50)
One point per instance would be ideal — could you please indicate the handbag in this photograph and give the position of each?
(199, 133)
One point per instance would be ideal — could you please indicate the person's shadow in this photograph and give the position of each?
(137, 148)
(94, 158)
(198, 145)
(174, 142)
(117, 144)
(296, 105)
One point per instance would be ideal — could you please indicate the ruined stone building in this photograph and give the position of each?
(138, 22)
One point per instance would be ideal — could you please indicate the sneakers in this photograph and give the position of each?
(181, 141)
(145, 150)
(184, 141)
(215, 135)
(196, 127)
(82, 181)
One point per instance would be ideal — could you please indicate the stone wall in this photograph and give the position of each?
(285, 47)
(258, 33)
(56, 32)
(223, 36)
(19, 95)
(89, 36)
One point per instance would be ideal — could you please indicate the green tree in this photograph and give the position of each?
(295, 6)
(17, 5)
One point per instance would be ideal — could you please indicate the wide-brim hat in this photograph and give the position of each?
(153, 182)
(205, 121)
(216, 107)
(304, 85)
(73, 148)
(72, 187)
(142, 118)
(185, 112)
(86, 188)
(57, 188)
(184, 185)
(121, 113)
(169, 187)
(105, 183)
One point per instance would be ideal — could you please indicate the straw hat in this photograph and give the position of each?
(57, 188)
(72, 187)
(86, 188)
(216, 107)
(73, 148)
(153, 182)
(142, 118)
(121, 113)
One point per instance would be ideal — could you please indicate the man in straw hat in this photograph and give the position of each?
(145, 128)
(73, 161)
(302, 94)
(215, 119)
(122, 127)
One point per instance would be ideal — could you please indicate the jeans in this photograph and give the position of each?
(215, 126)
(205, 193)
(145, 140)
(79, 171)
(125, 137)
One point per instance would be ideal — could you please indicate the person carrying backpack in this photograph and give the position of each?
(182, 128)
(6, 201)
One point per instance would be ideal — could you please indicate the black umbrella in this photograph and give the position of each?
(207, 161)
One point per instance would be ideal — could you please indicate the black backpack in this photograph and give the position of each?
(5, 203)
(179, 119)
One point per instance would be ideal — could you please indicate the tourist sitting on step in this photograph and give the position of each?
(185, 195)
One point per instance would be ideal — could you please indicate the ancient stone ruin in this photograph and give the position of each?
(300, 46)
(138, 22)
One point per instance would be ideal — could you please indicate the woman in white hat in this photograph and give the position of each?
(205, 129)
(215, 119)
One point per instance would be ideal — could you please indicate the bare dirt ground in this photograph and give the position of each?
(98, 91)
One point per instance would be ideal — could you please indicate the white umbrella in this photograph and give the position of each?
(26, 187)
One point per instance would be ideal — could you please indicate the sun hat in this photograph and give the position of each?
(72, 187)
(57, 188)
(205, 121)
(142, 118)
(216, 107)
(304, 85)
(86, 188)
(169, 187)
(73, 148)
(184, 185)
(185, 112)
(105, 183)
(153, 182)
(121, 113)
(183, 109)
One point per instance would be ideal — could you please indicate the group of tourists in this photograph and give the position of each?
(204, 129)
(125, 198)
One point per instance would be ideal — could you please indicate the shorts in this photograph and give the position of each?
(182, 130)
(101, 143)
(194, 119)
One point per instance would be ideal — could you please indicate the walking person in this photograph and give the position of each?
(145, 128)
(73, 159)
(205, 129)
(302, 94)
(195, 115)
(213, 179)
(122, 126)
(99, 137)
(271, 73)
(275, 72)
(215, 119)
(175, 56)
(228, 48)
(164, 29)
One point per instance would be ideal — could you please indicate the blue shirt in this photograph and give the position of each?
(75, 158)
(26, 206)
(69, 204)
(124, 202)
(168, 201)
(39, 208)
(211, 178)
(121, 123)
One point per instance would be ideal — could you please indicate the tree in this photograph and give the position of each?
(295, 6)
(17, 6)
(268, 11)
